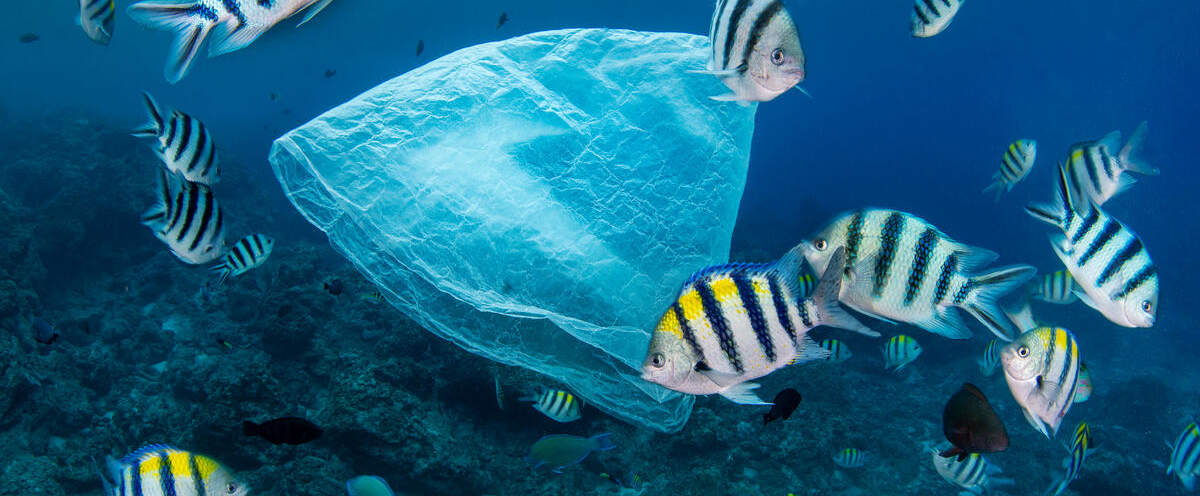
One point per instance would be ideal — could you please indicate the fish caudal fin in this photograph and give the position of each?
(982, 301)
(602, 442)
(999, 185)
(1130, 158)
(222, 272)
(249, 428)
(153, 128)
(825, 296)
(156, 216)
(1056, 214)
(191, 20)
(315, 9)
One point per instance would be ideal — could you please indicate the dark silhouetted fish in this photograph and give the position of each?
(330, 73)
(785, 403)
(29, 38)
(43, 332)
(334, 287)
(420, 47)
(503, 19)
(285, 430)
(971, 425)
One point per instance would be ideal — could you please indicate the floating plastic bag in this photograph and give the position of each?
(537, 201)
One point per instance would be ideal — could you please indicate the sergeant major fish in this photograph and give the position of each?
(931, 17)
(975, 473)
(1185, 456)
(899, 351)
(755, 50)
(1014, 166)
(1057, 288)
(1108, 261)
(97, 18)
(559, 405)
(248, 253)
(188, 219)
(1080, 447)
(184, 144)
(1095, 172)
(838, 351)
(915, 273)
(1041, 368)
(234, 24)
(737, 322)
(850, 458)
(159, 469)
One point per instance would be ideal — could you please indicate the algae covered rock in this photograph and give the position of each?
(537, 201)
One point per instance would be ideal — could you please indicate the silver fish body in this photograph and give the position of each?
(188, 219)
(158, 470)
(931, 17)
(756, 49)
(184, 143)
(974, 473)
(1097, 169)
(1041, 368)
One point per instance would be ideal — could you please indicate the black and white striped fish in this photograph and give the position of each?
(188, 219)
(838, 351)
(160, 470)
(1081, 446)
(737, 322)
(755, 50)
(1107, 260)
(1058, 288)
(184, 144)
(96, 17)
(1014, 166)
(991, 357)
(248, 253)
(234, 24)
(900, 267)
(899, 351)
(931, 17)
(1041, 368)
(1094, 171)
(559, 405)
(850, 458)
(974, 473)
(1185, 456)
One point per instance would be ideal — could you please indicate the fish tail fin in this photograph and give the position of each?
(153, 128)
(1130, 158)
(222, 271)
(1021, 315)
(1058, 213)
(982, 300)
(825, 296)
(189, 19)
(998, 185)
(156, 216)
(249, 428)
(109, 475)
(1188, 480)
(313, 10)
(602, 441)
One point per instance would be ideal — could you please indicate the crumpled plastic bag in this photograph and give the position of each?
(537, 201)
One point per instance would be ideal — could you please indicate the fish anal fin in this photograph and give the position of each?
(743, 394)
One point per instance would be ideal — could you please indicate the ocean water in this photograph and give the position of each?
(147, 355)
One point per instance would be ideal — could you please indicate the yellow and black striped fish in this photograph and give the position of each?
(1058, 288)
(1016, 164)
(1185, 456)
(838, 351)
(1042, 371)
(559, 405)
(850, 458)
(97, 18)
(973, 473)
(1081, 445)
(160, 470)
(733, 323)
(900, 351)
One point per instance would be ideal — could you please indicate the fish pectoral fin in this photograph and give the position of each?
(722, 379)
(1087, 300)
(743, 394)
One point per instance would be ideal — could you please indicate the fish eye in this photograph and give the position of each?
(658, 360)
(1023, 351)
(231, 488)
(820, 244)
(1147, 306)
(777, 56)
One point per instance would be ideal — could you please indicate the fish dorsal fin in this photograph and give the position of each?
(142, 452)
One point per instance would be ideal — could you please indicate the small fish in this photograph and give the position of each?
(184, 143)
(807, 285)
(374, 297)
(838, 351)
(559, 405)
(285, 430)
(1057, 288)
(29, 38)
(971, 425)
(503, 19)
(499, 392)
(755, 50)
(224, 343)
(1094, 172)
(560, 451)
(1080, 447)
(991, 357)
(188, 219)
(1108, 261)
(234, 24)
(43, 332)
(334, 286)
(850, 458)
(783, 405)
(248, 253)
(330, 73)
(899, 351)
(1185, 456)
(975, 473)
(420, 47)
(1042, 371)
(1016, 164)
(1084, 390)
(159, 469)
(96, 17)
(931, 17)
(733, 323)
(368, 485)
(900, 267)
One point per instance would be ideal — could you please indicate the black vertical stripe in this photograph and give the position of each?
(963, 292)
(780, 306)
(1131, 249)
(1088, 222)
(210, 158)
(165, 476)
(688, 334)
(932, 8)
(172, 123)
(1093, 171)
(916, 278)
(201, 145)
(189, 214)
(209, 206)
(758, 322)
(1010, 163)
(177, 212)
(716, 319)
(185, 140)
(920, 15)
(1107, 160)
(949, 267)
(1144, 275)
(805, 317)
(892, 228)
(136, 478)
(258, 246)
(1111, 227)
(853, 238)
(235, 255)
(716, 23)
(194, 468)
(1067, 364)
(756, 31)
(731, 29)
(219, 224)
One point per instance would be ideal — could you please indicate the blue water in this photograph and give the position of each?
(912, 124)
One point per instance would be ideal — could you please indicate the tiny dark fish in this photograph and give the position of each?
(420, 47)
(43, 332)
(29, 38)
(224, 343)
(334, 287)
(330, 73)
(785, 403)
(503, 19)
(285, 430)
(971, 425)
(274, 97)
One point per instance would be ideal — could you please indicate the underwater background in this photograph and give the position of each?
(913, 124)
